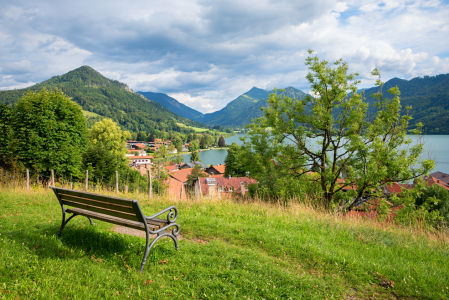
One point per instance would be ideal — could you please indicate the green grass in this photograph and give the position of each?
(89, 114)
(197, 129)
(227, 251)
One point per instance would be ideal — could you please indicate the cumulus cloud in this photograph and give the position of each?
(207, 53)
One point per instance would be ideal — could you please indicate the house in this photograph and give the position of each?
(139, 160)
(188, 165)
(216, 170)
(176, 189)
(171, 168)
(138, 146)
(443, 177)
(139, 153)
(181, 175)
(222, 186)
(142, 168)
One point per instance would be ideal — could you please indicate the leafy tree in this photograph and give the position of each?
(221, 142)
(195, 173)
(5, 133)
(434, 198)
(368, 150)
(48, 132)
(177, 142)
(178, 159)
(203, 142)
(101, 162)
(194, 146)
(195, 156)
(110, 135)
(151, 138)
(233, 161)
(163, 152)
(106, 151)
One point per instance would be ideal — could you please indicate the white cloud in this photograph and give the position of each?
(208, 53)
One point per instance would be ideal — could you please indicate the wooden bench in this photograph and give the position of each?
(120, 211)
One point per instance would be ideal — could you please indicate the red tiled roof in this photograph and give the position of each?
(394, 188)
(226, 183)
(171, 168)
(433, 180)
(220, 168)
(181, 175)
(140, 145)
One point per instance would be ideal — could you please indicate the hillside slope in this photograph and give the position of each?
(235, 108)
(107, 98)
(428, 97)
(173, 105)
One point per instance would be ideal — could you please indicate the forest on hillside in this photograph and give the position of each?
(110, 99)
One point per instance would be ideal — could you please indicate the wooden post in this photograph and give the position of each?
(28, 180)
(150, 185)
(116, 182)
(52, 180)
(182, 188)
(126, 190)
(87, 180)
(71, 183)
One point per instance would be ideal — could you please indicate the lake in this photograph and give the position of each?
(436, 147)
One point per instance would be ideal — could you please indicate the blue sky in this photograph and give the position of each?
(207, 53)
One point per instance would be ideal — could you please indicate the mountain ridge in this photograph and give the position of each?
(108, 98)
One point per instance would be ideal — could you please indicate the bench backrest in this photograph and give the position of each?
(112, 206)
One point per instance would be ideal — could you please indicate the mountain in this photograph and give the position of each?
(102, 97)
(246, 107)
(235, 108)
(173, 105)
(428, 96)
(255, 111)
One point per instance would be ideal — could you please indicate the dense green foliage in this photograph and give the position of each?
(331, 132)
(108, 98)
(434, 198)
(221, 142)
(228, 251)
(428, 97)
(195, 156)
(234, 162)
(48, 131)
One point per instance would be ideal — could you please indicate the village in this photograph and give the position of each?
(212, 184)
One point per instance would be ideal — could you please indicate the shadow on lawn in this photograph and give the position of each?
(78, 241)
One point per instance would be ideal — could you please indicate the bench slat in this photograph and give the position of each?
(111, 206)
(114, 220)
(103, 211)
(109, 199)
(110, 219)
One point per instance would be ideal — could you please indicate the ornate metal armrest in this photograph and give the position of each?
(171, 216)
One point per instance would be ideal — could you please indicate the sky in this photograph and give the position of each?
(207, 53)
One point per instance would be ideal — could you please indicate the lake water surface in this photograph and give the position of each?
(436, 147)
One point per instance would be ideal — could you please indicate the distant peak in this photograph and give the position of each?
(255, 89)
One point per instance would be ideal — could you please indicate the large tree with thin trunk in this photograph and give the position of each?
(332, 132)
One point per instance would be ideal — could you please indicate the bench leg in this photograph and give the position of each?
(64, 222)
(173, 235)
(90, 220)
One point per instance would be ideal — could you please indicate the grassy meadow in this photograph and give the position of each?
(227, 250)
